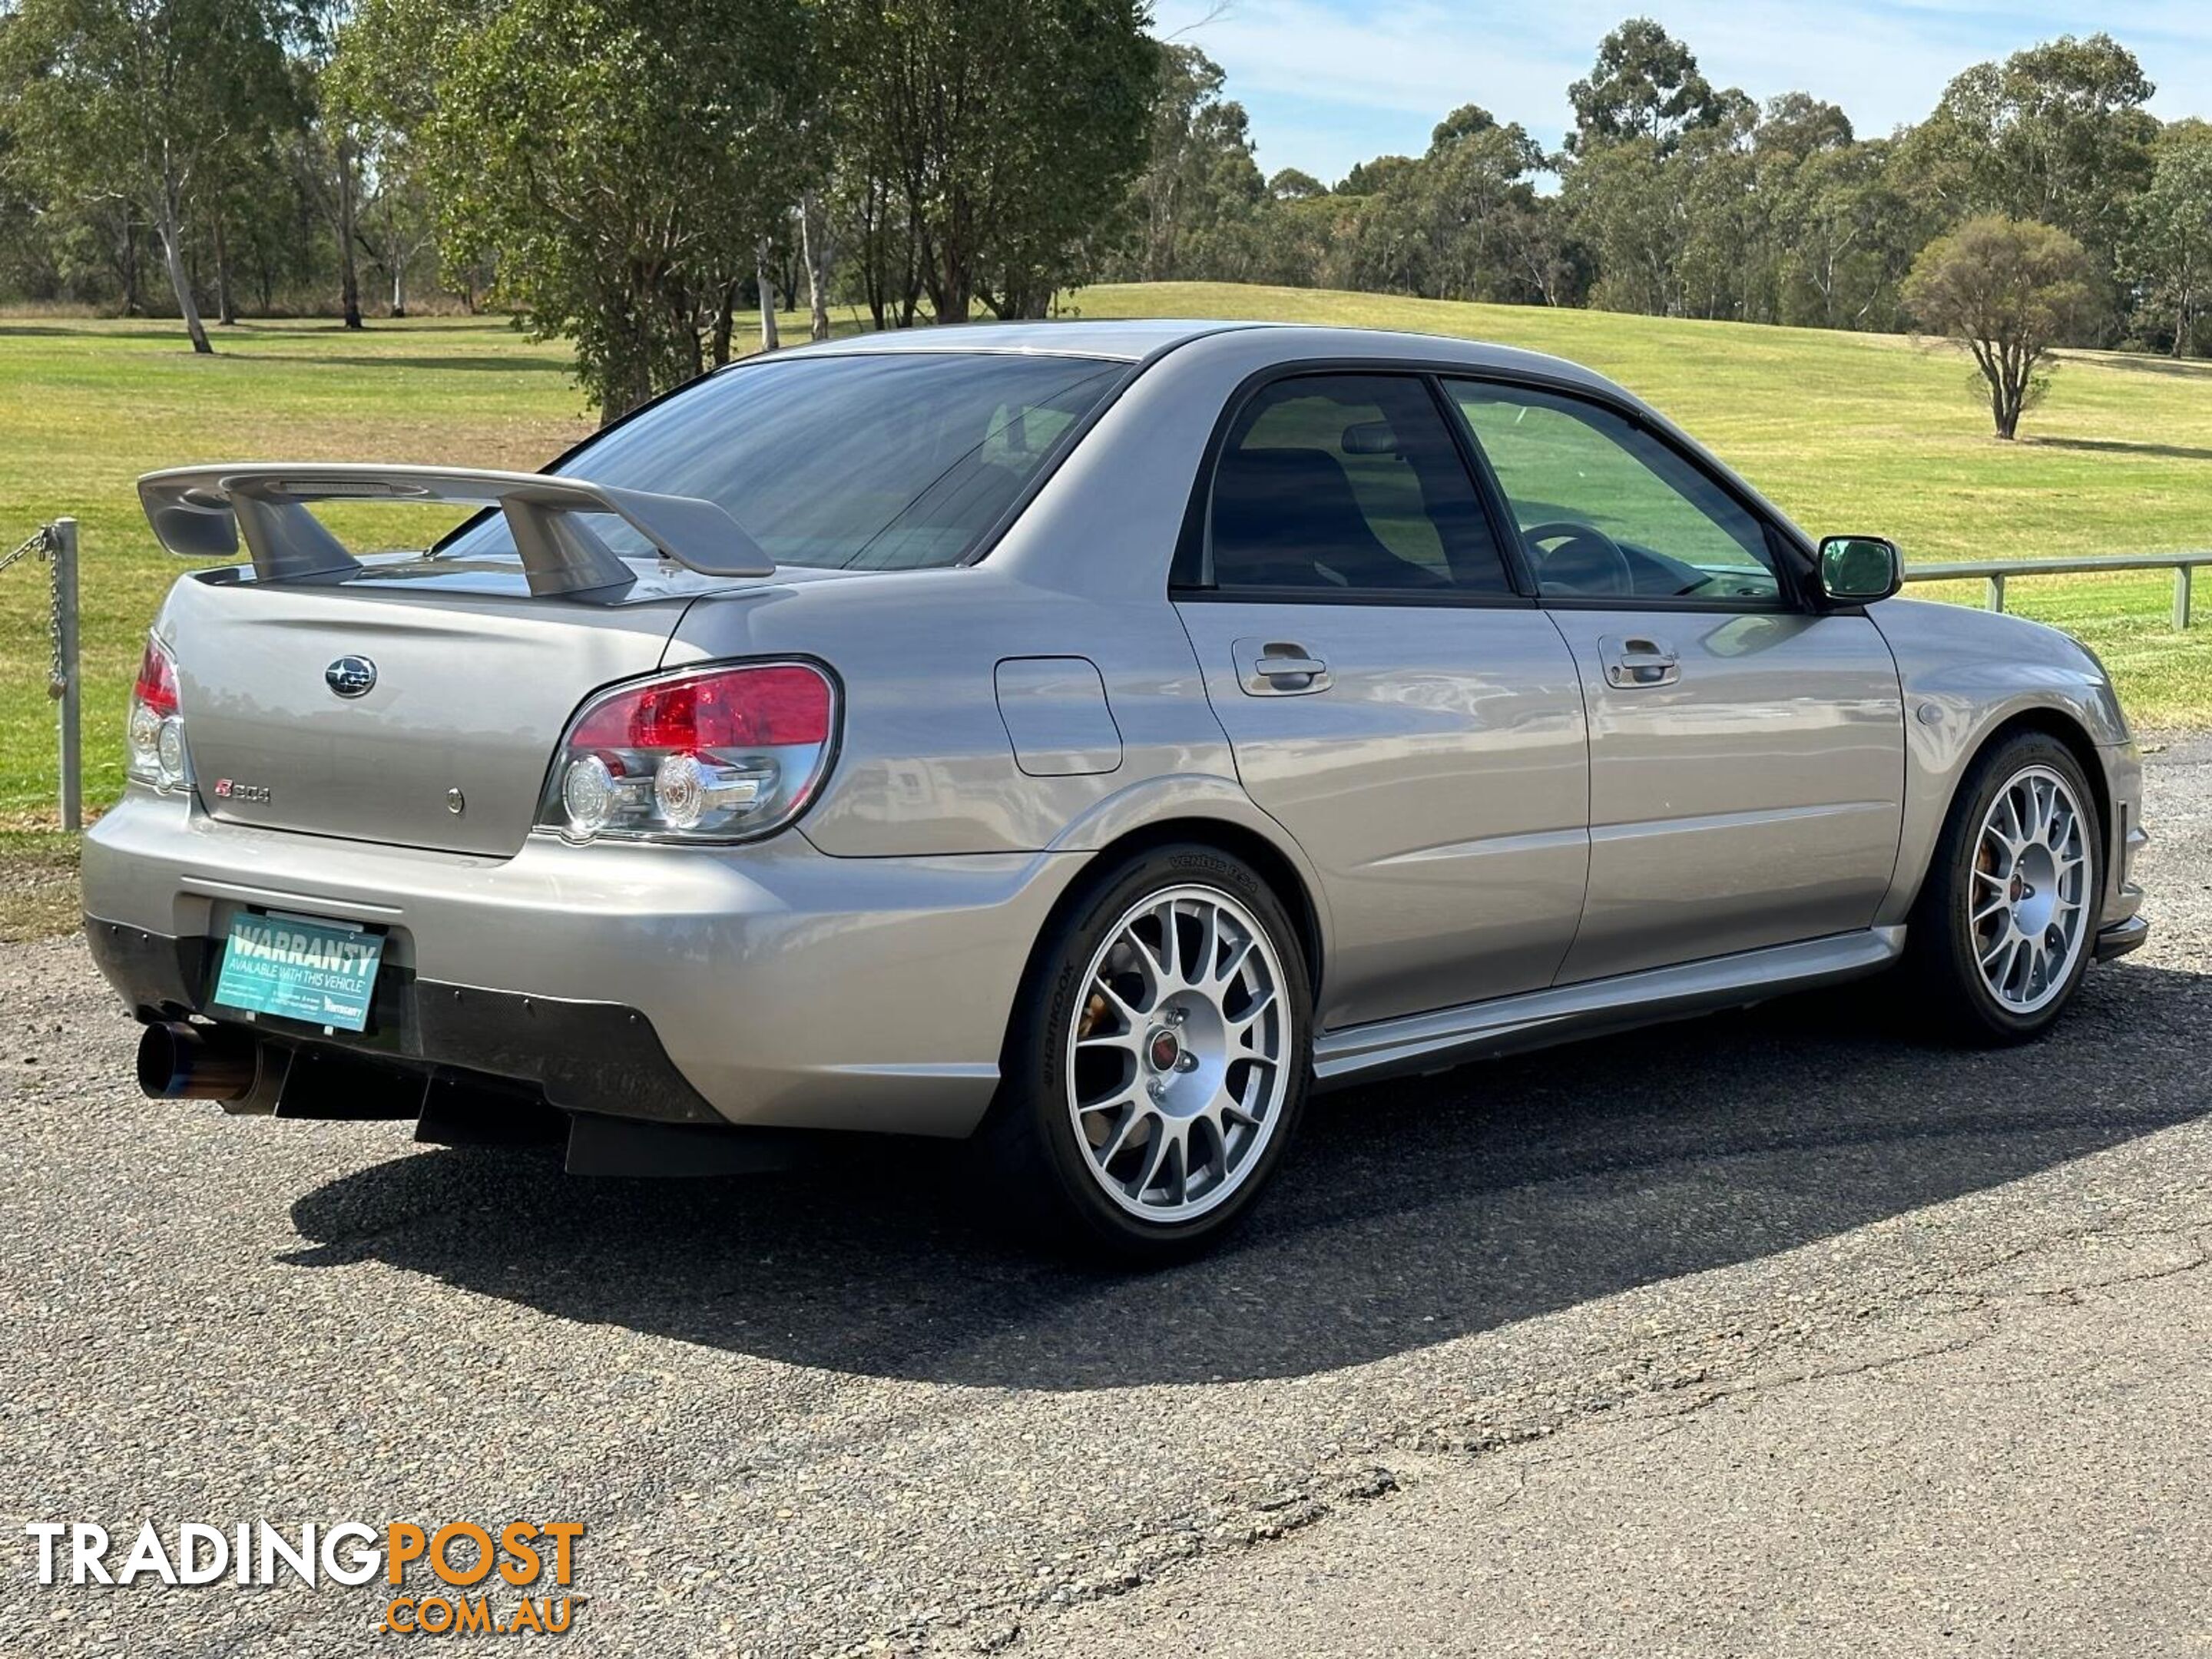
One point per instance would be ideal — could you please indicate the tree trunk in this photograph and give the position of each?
(952, 274)
(349, 270)
(399, 288)
(875, 279)
(133, 303)
(172, 255)
(726, 305)
(814, 247)
(684, 325)
(769, 340)
(226, 309)
(629, 365)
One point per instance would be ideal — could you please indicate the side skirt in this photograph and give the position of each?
(1536, 1019)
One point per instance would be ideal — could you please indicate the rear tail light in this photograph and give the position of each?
(155, 731)
(714, 754)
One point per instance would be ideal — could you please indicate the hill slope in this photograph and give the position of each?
(1845, 432)
(1881, 433)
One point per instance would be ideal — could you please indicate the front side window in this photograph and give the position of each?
(1350, 484)
(878, 462)
(1607, 510)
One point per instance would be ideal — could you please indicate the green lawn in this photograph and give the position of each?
(1858, 432)
(1846, 432)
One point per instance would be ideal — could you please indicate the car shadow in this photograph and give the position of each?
(1408, 1214)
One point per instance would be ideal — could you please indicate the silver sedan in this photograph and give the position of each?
(1083, 738)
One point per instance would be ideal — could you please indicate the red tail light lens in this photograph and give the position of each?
(767, 707)
(155, 731)
(157, 679)
(717, 754)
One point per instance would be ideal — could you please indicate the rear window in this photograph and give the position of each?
(891, 462)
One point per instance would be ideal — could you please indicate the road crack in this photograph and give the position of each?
(1669, 1391)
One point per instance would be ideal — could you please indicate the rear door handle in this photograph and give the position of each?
(1635, 664)
(1279, 668)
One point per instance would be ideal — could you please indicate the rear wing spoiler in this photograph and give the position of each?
(203, 512)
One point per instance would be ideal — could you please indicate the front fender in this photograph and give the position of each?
(1964, 674)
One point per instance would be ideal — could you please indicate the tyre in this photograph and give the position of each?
(2001, 934)
(1157, 1061)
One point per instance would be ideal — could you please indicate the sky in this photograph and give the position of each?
(1330, 82)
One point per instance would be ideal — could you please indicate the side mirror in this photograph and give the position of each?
(1860, 569)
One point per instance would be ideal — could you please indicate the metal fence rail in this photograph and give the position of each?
(1994, 573)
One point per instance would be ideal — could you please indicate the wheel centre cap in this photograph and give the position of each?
(1163, 1051)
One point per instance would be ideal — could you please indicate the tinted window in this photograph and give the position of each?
(1608, 510)
(1347, 483)
(875, 462)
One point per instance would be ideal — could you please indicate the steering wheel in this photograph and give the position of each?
(1586, 560)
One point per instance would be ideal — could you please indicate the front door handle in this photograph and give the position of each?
(1637, 664)
(1279, 668)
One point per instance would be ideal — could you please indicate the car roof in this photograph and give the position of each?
(1131, 339)
(1127, 338)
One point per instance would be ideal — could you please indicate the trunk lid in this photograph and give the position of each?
(473, 683)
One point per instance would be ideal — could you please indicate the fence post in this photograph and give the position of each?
(2181, 575)
(1994, 582)
(65, 646)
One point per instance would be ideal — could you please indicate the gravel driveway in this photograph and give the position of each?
(805, 1415)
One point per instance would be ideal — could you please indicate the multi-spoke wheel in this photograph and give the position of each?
(1156, 1066)
(2030, 907)
(2002, 928)
(1176, 1075)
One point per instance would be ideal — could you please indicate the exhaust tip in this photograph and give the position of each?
(178, 1061)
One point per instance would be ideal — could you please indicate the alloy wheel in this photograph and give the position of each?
(2028, 902)
(1178, 1064)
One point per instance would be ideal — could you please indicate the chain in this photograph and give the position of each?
(42, 541)
(38, 542)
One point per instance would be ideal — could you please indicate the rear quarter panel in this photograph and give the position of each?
(925, 763)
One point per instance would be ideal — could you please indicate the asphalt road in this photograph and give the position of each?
(1772, 1333)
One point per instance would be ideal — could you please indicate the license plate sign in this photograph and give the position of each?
(321, 972)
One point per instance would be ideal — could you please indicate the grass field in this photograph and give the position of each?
(1845, 432)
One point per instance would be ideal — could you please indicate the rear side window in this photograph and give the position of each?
(1347, 483)
(869, 462)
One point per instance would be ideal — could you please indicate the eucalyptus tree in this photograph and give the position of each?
(1011, 132)
(140, 103)
(2167, 251)
(1489, 233)
(1645, 84)
(2056, 134)
(1200, 179)
(618, 166)
(1648, 128)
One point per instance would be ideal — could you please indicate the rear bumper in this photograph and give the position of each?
(598, 1057)
(768, 985)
